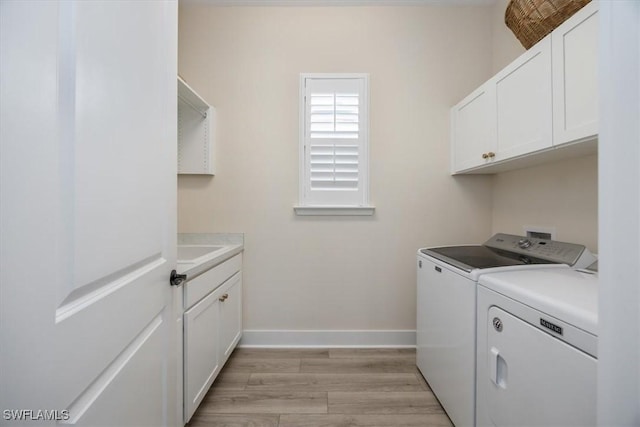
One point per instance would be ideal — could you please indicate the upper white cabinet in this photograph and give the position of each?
(523, 101)
(196, 121)
(473, 128)
(575, 77)
(536, 107)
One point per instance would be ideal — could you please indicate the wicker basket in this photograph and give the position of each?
(531, 20)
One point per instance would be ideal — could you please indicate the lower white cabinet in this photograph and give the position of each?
(212, 330)
(230, 316)
(201, 350)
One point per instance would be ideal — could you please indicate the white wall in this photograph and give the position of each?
(336, 272)
(563, 195)
(506, 47)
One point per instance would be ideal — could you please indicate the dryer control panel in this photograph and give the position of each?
(577, 256)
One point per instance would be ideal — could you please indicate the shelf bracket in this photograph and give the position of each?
(203, 114)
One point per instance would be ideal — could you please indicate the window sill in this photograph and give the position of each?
(334, 210)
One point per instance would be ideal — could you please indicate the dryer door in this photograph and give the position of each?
(534, 379)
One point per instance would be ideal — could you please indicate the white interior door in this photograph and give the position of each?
(88, 205)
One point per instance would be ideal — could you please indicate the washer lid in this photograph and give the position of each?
(471, 257)
(564, 293)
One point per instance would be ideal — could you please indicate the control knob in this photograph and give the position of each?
(524, 243)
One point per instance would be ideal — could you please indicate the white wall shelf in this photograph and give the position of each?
(196, 125)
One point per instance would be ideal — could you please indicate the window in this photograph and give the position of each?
(334, 130)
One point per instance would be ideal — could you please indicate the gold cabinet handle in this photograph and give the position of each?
(491, 154)
(485, 156)
(223, 297)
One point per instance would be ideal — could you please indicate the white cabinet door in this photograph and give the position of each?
(523, 97)
(201, 350)
(88, 200)
(473, 129)
(231, 316)
(575, 76)
(212, 328)
(180, 357)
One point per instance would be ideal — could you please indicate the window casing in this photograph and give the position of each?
(334, 140)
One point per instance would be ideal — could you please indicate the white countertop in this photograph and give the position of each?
(201, 264)
(224, 246)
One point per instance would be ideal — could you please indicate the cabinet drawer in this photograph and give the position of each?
(197, 288)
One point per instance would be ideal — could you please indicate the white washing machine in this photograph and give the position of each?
(537, 348)
(446, 308)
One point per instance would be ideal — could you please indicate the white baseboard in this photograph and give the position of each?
(328, 338)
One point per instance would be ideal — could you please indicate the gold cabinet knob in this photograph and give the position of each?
(491, 154)
(223, 297)
(485, 156)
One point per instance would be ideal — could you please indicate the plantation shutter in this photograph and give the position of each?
(335, 141)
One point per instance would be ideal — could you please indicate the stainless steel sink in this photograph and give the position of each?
(188, 253)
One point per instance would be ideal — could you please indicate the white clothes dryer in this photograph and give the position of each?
(537, 348)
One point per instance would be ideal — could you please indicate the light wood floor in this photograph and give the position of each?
(325, 387)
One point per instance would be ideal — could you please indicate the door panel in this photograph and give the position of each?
(535, 379)
(117, 102)
(88, 209)
(120, 385)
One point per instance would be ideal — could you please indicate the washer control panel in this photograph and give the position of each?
(551, 250)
